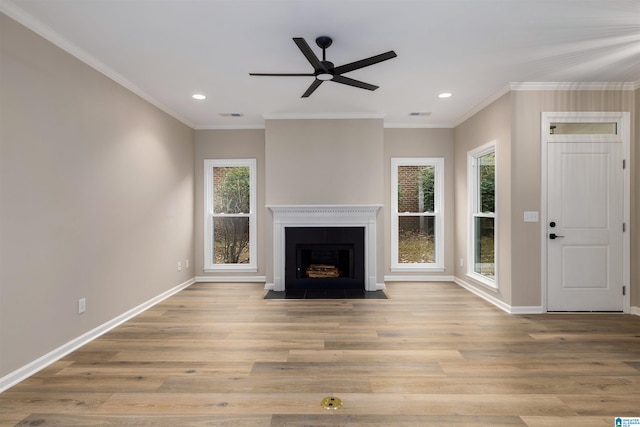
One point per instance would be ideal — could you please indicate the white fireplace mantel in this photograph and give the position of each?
(324, 216)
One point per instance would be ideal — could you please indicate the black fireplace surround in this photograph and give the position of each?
(339, 247)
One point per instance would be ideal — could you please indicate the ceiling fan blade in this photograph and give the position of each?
(313, 87)
(364, 62)
(283, 74)
(308, 53)
(355, 83)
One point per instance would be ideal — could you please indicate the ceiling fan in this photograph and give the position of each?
(325, 70)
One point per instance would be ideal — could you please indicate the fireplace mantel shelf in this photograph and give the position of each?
(323, 209)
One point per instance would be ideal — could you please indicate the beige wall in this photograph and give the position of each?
(493, 123)
(421, 143)
(97, 198)
(527, 107)
(229, 144)
(324, 162)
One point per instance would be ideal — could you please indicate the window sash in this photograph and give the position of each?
(437, 214)
(485, 273)
(210, 264)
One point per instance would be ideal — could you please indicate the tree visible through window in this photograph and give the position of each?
(230, 223)
(231, 233)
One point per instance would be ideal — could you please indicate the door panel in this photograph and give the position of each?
(585, 206)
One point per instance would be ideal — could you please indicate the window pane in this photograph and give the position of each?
(486, 180)
(416, 239)
(231, 189)
(231, 240)
(416, 188)
(583, 128)
(484, 262)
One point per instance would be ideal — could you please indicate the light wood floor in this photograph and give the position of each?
(431, 355)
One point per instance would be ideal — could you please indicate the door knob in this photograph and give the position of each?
(554, 236)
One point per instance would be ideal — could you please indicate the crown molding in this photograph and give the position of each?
(230, 127)
(419, 126)
(572, 85)
(58, 40)
(322, 116)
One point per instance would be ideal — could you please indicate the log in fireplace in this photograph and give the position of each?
(327, 258)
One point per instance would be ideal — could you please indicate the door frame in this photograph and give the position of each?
(624, 136)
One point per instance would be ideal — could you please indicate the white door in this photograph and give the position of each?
(585, 215)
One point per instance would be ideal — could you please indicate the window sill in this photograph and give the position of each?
(230, 269)
(397, 269)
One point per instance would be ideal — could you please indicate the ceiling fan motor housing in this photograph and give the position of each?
(327, 73)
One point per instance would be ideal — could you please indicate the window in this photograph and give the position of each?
(482, 219)
(230, 215)
(417, 220)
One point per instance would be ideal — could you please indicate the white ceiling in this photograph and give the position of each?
(167, 50)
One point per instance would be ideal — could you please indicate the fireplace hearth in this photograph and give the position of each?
(324, 258)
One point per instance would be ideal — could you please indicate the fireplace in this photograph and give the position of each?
(353, 257)
(324, 258)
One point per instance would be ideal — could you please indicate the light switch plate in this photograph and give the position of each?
(531, 216)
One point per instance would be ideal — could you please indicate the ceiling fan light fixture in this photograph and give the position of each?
(324, 76)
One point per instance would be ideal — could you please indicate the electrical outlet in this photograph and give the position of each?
(179, 266)
(186, 264)
(461, 262)
(82, 305)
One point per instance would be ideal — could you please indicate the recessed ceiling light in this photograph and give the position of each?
(445, 95)
(198, 96)
(419, 113)
(232, 114)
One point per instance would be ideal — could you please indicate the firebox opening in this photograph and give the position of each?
(324, 258)
(324, 261)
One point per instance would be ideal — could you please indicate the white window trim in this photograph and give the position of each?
(209, 266)
(473, 184)
(438, 214)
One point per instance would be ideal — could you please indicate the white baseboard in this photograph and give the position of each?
(428, 278)
(495, 301)
(634, 310)
(29, 369)
(231, 279)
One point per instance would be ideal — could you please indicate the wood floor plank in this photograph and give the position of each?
(348, 368)
(338, 420)
(551, 421)
(364, 356)
(432, 354)
(58, 420)
(595, 385)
